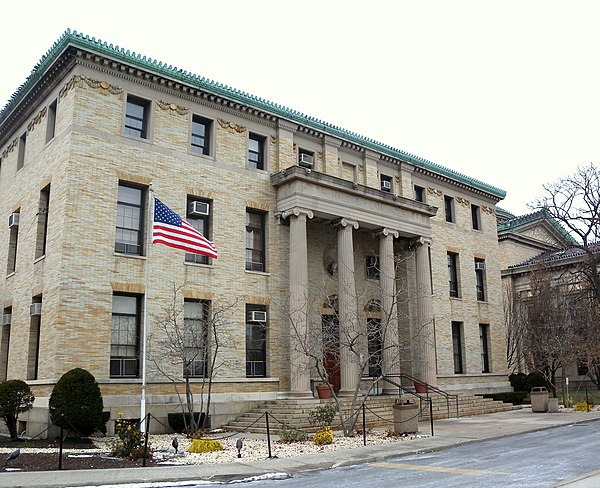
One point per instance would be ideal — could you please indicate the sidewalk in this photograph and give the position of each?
(448, 433)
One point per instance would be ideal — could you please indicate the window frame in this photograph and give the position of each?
(198, 366)
(476, 217)
(21, 151)
(372, 269)
(13, 247)
(458, 348)
(374, 346)
(256, 157)
(251, 265)
(453, 275)
(387, 178)
(51, 121)
(121, 358)
(140, 230)
(42, 223)
(480, 281)
(256, 357)
(449, 212)
(419, 193)
(207, 124)
(33, 349)
(204, 229)
(484, 341)
(131, 120)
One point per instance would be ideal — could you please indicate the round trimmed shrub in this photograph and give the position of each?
(76, 403)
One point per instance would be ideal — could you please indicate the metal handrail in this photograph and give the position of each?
(434, 389)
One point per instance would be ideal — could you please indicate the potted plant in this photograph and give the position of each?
(420, 387)
(323, 391)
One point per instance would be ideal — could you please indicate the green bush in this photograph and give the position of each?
(518, 381)
(129, 441)
(514, 397)
(204, 445)
(15, 398)
(323, 415)
(287, 435)
(76, 403)
(176, 421)
(534, 379)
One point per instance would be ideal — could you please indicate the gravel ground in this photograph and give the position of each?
(96, 456)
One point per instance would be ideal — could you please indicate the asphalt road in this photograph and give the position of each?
(538, 459)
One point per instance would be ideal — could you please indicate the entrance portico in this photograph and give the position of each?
(352, 208)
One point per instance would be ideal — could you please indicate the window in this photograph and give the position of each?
(201, 129)
(419, 193)
(124, 342)
(136, 117)
(453, 274)
(256, 341)
(449, 208)
(375, 347)
(21, 155)
(5, 342)
(51, 121)
(198, 216)
(480, 279)
(484, 339)
(130, 220)
(372, 266)
(256, 151)
(306, 158)
(42, 223)
(457, 347)
(13, 238)
(33, 352)
(255, 241)
(386, 183)
(195, 338)
(476, 217)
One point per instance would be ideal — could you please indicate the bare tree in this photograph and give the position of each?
(574, 201)
(186, 341)
(368, 339)
(546, 319)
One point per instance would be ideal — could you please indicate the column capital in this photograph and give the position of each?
(296, 212)
(384, 231)
(344, 222)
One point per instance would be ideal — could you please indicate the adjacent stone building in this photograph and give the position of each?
(311, 221)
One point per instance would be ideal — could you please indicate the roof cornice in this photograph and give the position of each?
(73, 39)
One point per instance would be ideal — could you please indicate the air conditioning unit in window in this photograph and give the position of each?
(258, 316)
(386, 185)
(13, 220)
(35, 309)
(480, 265)
(6, 318)
(199, 208)
(306, 160)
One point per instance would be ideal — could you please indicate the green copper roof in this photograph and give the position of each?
(542, 214)
(76, 39)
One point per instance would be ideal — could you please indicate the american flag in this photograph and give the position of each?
(171, 230)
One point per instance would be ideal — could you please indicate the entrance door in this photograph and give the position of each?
(331, 349)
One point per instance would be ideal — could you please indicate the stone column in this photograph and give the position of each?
(425, 337)
(348, 307)
(389, 310)
(298, 304)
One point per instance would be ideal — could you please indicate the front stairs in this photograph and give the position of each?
(378, 412)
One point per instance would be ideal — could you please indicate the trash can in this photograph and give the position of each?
(553, 405)
(539, 399)
(406, 417)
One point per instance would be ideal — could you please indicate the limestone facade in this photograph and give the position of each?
(66, 139)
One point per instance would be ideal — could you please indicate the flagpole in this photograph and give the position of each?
(150, 217)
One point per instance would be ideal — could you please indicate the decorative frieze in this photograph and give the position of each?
(463, 201)
(172, 108)
(231, 126)
(434, 191)
(488, 210)
(104, 87)
(11, 147)
(37, 119)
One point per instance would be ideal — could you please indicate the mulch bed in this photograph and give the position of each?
(92, 458)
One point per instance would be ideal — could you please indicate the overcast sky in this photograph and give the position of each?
(506, 92)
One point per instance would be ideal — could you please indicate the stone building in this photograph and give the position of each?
(304, 215)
